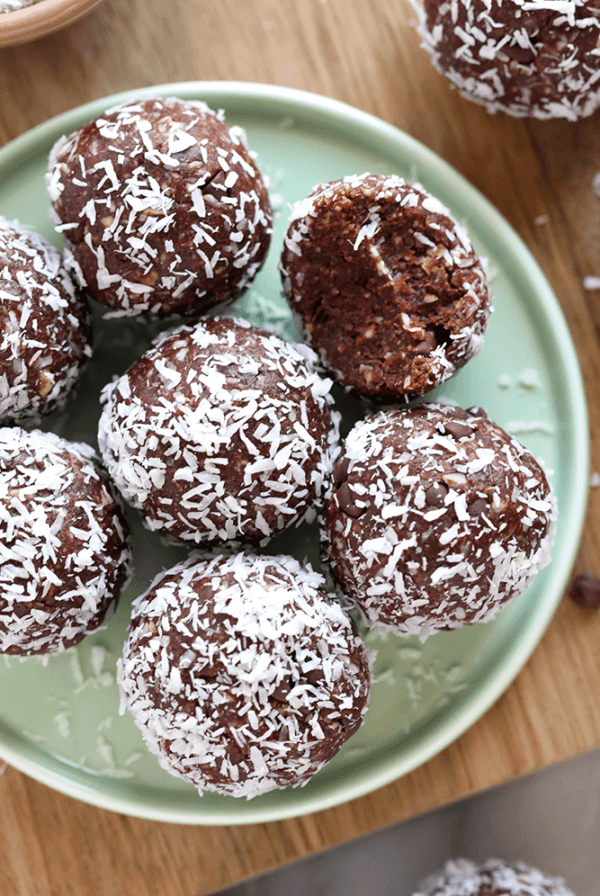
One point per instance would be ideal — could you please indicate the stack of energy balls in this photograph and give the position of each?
(243, 669)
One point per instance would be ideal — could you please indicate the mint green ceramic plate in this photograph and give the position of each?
(59, 721)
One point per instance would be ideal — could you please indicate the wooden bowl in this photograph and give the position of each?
(42, 18)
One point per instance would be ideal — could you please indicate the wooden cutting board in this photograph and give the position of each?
(539, 175)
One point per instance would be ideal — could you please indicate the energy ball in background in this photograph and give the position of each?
(495, 877)
(44, 326)
(526, 59)
(220, 431)
(162, 206)
(64, 545)
(242, 674)
(436, 518)
(385, 285)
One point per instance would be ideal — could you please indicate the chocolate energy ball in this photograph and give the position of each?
(526, 59)
(220, 431)
(384, 284)
(162, 206)
(64, 555)
(436, 518)
(461, 877)
(44, 326)
(242, 674)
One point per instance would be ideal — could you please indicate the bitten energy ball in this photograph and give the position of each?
(242, 674)
(63, 543)
(436, 518)
(538, 59)
(385, 284)
(221, 431)
(162, 206)
(44, 327)
(461, 877)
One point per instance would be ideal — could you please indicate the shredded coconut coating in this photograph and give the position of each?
(242, 674)
(44, 327)
(538, 58)
(162, 208)
(436, 518)
(461, 877)
(64, 554)
(385, 284)
(219, 432)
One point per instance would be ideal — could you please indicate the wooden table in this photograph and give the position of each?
(368, 55)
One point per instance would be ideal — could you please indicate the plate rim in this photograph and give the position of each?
(442, 733)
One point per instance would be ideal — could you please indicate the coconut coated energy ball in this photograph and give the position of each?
(44, 327)
(242, 674)
(162, 206)
(436, 518)
(385, 285)
(64, 554)
(220, 432)
(495, 877)
(537, 59)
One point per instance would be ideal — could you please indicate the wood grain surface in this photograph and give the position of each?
(368, 55)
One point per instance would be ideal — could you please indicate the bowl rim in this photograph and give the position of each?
(40, 18)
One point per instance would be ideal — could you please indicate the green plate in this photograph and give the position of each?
(59, 719)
